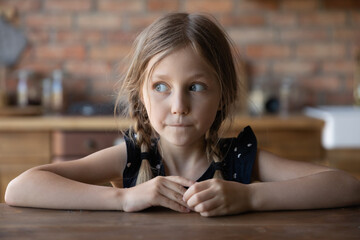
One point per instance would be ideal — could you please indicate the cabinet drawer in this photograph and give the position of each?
(65, 143)
(24, 145)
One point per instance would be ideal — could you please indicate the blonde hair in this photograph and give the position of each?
(166, 35)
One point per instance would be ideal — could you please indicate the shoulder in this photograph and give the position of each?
(246, 140)
(239, 155)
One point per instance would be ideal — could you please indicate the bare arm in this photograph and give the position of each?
(299, 185)
(71, 185)
(280, 185)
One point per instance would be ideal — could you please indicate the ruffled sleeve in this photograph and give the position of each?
(133, 162)
(239, 156)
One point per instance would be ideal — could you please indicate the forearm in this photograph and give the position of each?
(44, 189)
(322, 190)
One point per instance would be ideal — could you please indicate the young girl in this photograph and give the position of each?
(181, 85)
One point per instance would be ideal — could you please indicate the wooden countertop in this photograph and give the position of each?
(43, 123)
(158, 223)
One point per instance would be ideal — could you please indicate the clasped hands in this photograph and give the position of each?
(212, 197)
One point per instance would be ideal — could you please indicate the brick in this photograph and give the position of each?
(99, 21)
(26, 56)
(349, 83)
(343, 67)
(141, 22)
(67, 5)
(163, 5)
(339, 98)
(323, 83)
(37, 35)
(257, 69)
(321, 51)
(347, 34)
(268, 51)
(39, 20)
(109, 52)
(355, 18)
(300, 5)
(242, 20)
(213, 6)
(120, 36)
(73, 36)
(87, 68)
(323, 19)
(58, 52)
(258, 5)
(105, 84)
(252, 35)
(282, 19)
(22, 6)
(123, 6)
(301, 35)
(341, 5)
(294, 68)
(39, 66)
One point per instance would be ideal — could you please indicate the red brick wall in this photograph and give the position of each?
(313, 41)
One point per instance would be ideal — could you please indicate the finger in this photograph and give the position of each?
(175, 186)
(181, 180)
(174, 192)
(164, 201)
(200, 198)
(209, 207)
(194, 189)
(217, 211)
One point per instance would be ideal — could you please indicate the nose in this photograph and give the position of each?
(180, 103)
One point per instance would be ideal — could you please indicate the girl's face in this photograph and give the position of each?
(181, 97)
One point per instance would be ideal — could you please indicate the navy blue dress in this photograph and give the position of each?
(238, 159)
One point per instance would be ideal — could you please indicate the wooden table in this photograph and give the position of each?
(28, 223)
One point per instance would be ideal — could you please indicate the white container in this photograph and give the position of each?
(342, 125)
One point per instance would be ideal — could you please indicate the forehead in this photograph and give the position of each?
(182, 61)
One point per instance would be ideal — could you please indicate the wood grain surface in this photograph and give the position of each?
(158, 223)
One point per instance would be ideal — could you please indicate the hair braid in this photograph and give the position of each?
(143, 132)
(212, 148)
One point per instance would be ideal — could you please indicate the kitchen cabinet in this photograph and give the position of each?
(69, 145)
(20, 151)
(26, 142)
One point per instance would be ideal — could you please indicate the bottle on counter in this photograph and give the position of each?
(285, 91)
(57, 92)
(357, 80)
(22, 89)
(256, 98)
(46, 95)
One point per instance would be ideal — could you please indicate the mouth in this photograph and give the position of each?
(179, 125)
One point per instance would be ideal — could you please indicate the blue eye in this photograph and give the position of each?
(197, 87)
(160, 87)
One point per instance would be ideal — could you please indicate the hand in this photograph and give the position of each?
(216, 197)
(159, 191)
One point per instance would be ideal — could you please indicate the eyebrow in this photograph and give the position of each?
(193, 76)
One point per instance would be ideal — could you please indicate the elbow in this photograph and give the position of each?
(10, 194)
(16, 191)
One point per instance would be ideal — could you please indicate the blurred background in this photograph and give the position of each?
(313, 43)
(60, 61)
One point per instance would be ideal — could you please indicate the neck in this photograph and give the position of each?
(186, 161)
